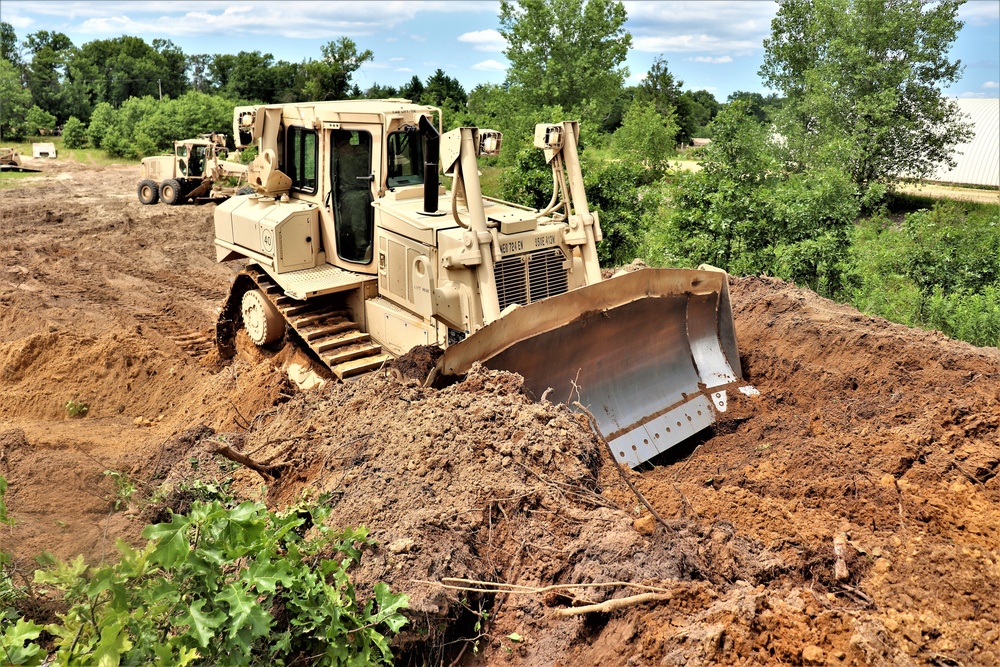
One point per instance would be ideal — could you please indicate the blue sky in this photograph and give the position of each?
(714, 45)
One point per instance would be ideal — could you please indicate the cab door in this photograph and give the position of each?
(350, 198)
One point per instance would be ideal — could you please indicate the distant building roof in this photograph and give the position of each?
(977, 162)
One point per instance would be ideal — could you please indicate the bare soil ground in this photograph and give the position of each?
(880, 439)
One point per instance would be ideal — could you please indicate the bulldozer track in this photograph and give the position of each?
(326, 328)
(196, 344)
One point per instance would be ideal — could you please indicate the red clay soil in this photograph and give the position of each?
(883, 439)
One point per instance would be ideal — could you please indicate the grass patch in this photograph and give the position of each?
(14, 179)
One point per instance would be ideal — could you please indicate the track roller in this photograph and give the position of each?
(263, 323)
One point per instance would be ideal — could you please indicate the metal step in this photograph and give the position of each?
(358, 366)
(326, 328)
(352, 352)
(344, 339)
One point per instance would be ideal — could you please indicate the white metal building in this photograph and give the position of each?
(978, 162)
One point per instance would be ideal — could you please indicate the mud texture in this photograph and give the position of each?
(848, 515)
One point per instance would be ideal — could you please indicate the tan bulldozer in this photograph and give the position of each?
(358, 253)
(197, 171)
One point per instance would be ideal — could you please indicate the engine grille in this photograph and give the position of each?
(531, 277)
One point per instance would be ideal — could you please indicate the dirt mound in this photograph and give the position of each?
(847, 515)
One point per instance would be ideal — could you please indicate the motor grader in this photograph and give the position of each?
(195, 172)
(354, 245)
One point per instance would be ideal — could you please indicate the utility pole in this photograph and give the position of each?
(160, 86)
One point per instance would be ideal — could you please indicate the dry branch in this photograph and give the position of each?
(592, 422)
(612, 605)
(268, 472)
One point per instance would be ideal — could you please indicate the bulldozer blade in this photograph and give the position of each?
(650, 354)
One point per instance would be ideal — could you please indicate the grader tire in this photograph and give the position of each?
(148, 191)
(171, 192)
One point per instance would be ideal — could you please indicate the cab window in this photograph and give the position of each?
(300, 164)
(405, 158)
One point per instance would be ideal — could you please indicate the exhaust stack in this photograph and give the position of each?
(430, 165)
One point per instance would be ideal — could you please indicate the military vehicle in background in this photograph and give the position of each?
(197, 171)
(10, 160)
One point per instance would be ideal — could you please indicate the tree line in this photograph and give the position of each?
(857, 104)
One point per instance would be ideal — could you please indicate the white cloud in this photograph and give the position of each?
(722, 27)
(694, 43)
(404, 70)
(981, 13)
(485, 40)
(18, 22)
(398, 59)
(971, 96)
(297, 19)
(991, 85)
(489, 66)
(709, 59)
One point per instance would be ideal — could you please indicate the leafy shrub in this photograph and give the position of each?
(74, 133)
(646, 136)
(747, 212)
(220, 586)
(529, 181)
(38, 119)
(101, 121)
(623, 194)
(76, 409)
(938, 268)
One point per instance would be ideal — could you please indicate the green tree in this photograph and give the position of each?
(761, 106)
(379, 92)
(74, 133)
(567, 53)
(444, 91)
(250, 76)
(413, 90)
(46, 72)
(38, 120)
(8, 44)
(171, 79)
(330, 77)
(660, 87)
(745, 213)
(869, 73)
(101, 122)
(702, 108)
(113, 70)
(646, 135)
(15, 100)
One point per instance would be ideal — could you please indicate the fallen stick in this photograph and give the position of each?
(592, 422)
(267, 472)
(612, 605)
(840, 571)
